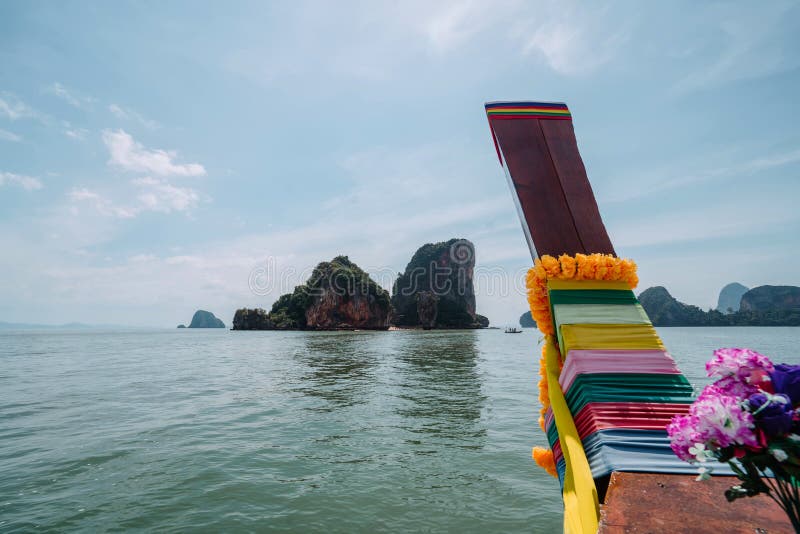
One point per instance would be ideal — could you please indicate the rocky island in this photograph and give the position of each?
(760, 306)
(730, 297)
(526, 320)
(436, 290)
(338, 296)
(205, 319)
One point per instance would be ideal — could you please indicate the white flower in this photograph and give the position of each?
(779, 454)
(704, 473)
(699, 451)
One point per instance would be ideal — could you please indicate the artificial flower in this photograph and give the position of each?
(747, 365)
(779, 454)
(786, 380)
(704, 473)
(723, 421)
(773, 413)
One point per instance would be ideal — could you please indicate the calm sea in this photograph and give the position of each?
(213, 430)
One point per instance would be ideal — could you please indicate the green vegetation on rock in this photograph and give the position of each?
(664, 310)
(338, 295)
(771, 298)
(436, 290)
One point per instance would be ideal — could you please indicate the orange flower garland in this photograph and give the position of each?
(581, 267)
(544, 458)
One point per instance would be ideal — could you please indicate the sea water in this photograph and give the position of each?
(183, 430)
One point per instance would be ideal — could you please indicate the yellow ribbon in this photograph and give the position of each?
(581, 508)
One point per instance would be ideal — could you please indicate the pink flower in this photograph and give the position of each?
(732, 386)
(683, 435)
(722, 420)
(748, 365)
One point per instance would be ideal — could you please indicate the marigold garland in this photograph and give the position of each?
(545, 459)
(581, 267)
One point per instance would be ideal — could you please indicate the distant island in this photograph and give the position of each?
(526, 320)
(737, 306)
(435, 291)
(730, 297)
(760, 306)
(204, 319)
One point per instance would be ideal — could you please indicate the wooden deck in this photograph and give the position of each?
(656, 503)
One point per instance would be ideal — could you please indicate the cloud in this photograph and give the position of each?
(28, 183)
(750, 42)
(161, 196)
(5, 135)
(78, 134)
(573, 40)
(61, 92)
(131, 156)
(13, 108)
(647, 183)
(450, 25)
(152, 195)
(129, 114)
(102, 205)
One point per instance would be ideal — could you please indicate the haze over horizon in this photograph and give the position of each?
(153, 157)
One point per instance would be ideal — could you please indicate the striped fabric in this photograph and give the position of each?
(528, 110)
(620, 384)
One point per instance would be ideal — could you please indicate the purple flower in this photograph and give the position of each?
(773, 413)
(786, 380)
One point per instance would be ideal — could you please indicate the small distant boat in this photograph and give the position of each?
(513, 330)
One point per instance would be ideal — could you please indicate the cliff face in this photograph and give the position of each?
(205, 319)
(339, 295)
(730, 297)
(664, 310)
(436, 290)
(771, 298)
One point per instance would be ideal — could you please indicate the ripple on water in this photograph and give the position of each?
(286, 431)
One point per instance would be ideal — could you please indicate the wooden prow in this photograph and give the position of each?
(536, 145)
(540, 154)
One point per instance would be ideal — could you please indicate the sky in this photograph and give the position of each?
(162, 157)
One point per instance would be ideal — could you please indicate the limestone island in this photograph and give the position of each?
(737, 306)
(338, 296)
(205, 319)
(435, 291)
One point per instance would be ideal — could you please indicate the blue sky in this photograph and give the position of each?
(157, 158)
